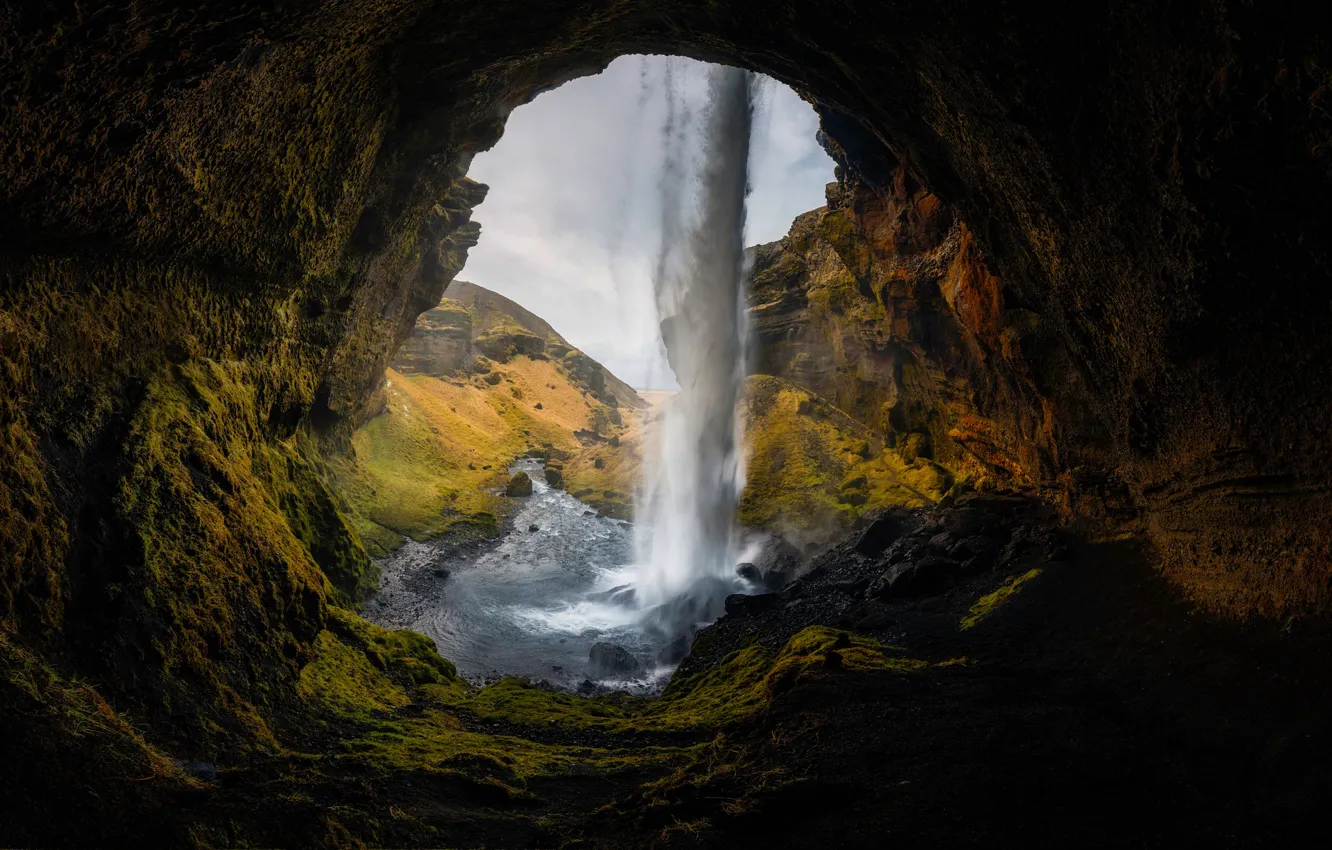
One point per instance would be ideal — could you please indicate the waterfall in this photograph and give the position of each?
(693, 473)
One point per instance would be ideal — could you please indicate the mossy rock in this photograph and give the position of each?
(520, 486)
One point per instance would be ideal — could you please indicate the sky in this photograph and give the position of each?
(571, 228)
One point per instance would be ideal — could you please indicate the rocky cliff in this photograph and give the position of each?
(882, 303)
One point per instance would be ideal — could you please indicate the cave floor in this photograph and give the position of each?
(1091, 709)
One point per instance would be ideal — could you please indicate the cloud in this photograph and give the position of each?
(571, 227)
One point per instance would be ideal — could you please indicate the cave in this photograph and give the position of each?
(1102, 234)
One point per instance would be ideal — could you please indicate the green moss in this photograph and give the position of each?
(990, 602)
(741, 685)
(800, 447)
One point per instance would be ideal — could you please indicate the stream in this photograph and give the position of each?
(519, 605)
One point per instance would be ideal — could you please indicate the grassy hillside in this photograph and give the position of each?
(433, 460)
(812, 469)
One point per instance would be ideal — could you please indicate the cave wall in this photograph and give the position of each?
(217, 221)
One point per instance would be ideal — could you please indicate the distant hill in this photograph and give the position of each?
(472, 321)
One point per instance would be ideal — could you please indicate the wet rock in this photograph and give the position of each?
(929, 574)
(554, 477)
(622, 594)
(440, 572)
(748, 572)
(534, 527)
(609, 660)
(674, 652)
(202, 771)
(519, 486)
(740, 604)
(883, 528)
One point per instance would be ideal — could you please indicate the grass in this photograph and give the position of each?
(432, 461)
(990, 602)
(801, 446)
(743, 684)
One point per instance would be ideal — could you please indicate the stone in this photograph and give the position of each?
(674, 652)
(440, 572)
(976, 546)
(929, 574)
(741, 605)
(622, 594)
(519, 487)
(748, 572)
(883, 528)
(534, 527)
(554, 477)
(609, 660)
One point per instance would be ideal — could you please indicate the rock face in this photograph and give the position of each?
(441, 343)
(881, 303)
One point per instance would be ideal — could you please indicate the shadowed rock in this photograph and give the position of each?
(608, 660)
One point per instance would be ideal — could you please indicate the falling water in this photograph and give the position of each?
(693, 481)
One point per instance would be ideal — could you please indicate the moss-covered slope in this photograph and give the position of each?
(479, 383)
(812, 469)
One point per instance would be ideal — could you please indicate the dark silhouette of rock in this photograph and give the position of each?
(883, 528)
(739, 604)
(929, 574)
(609, 660)
(674, 652)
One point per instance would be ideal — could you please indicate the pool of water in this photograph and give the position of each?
(520, 606)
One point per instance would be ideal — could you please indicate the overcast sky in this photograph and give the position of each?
(571, 228)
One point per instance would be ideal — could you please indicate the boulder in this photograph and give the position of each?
(776, 564)
(554, 477)
(929, 574)
(883, 528)
(608, 660)
(519, 486)
(622, 594)
(740, 605)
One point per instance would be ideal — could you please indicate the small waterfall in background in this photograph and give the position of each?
(693, 477)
